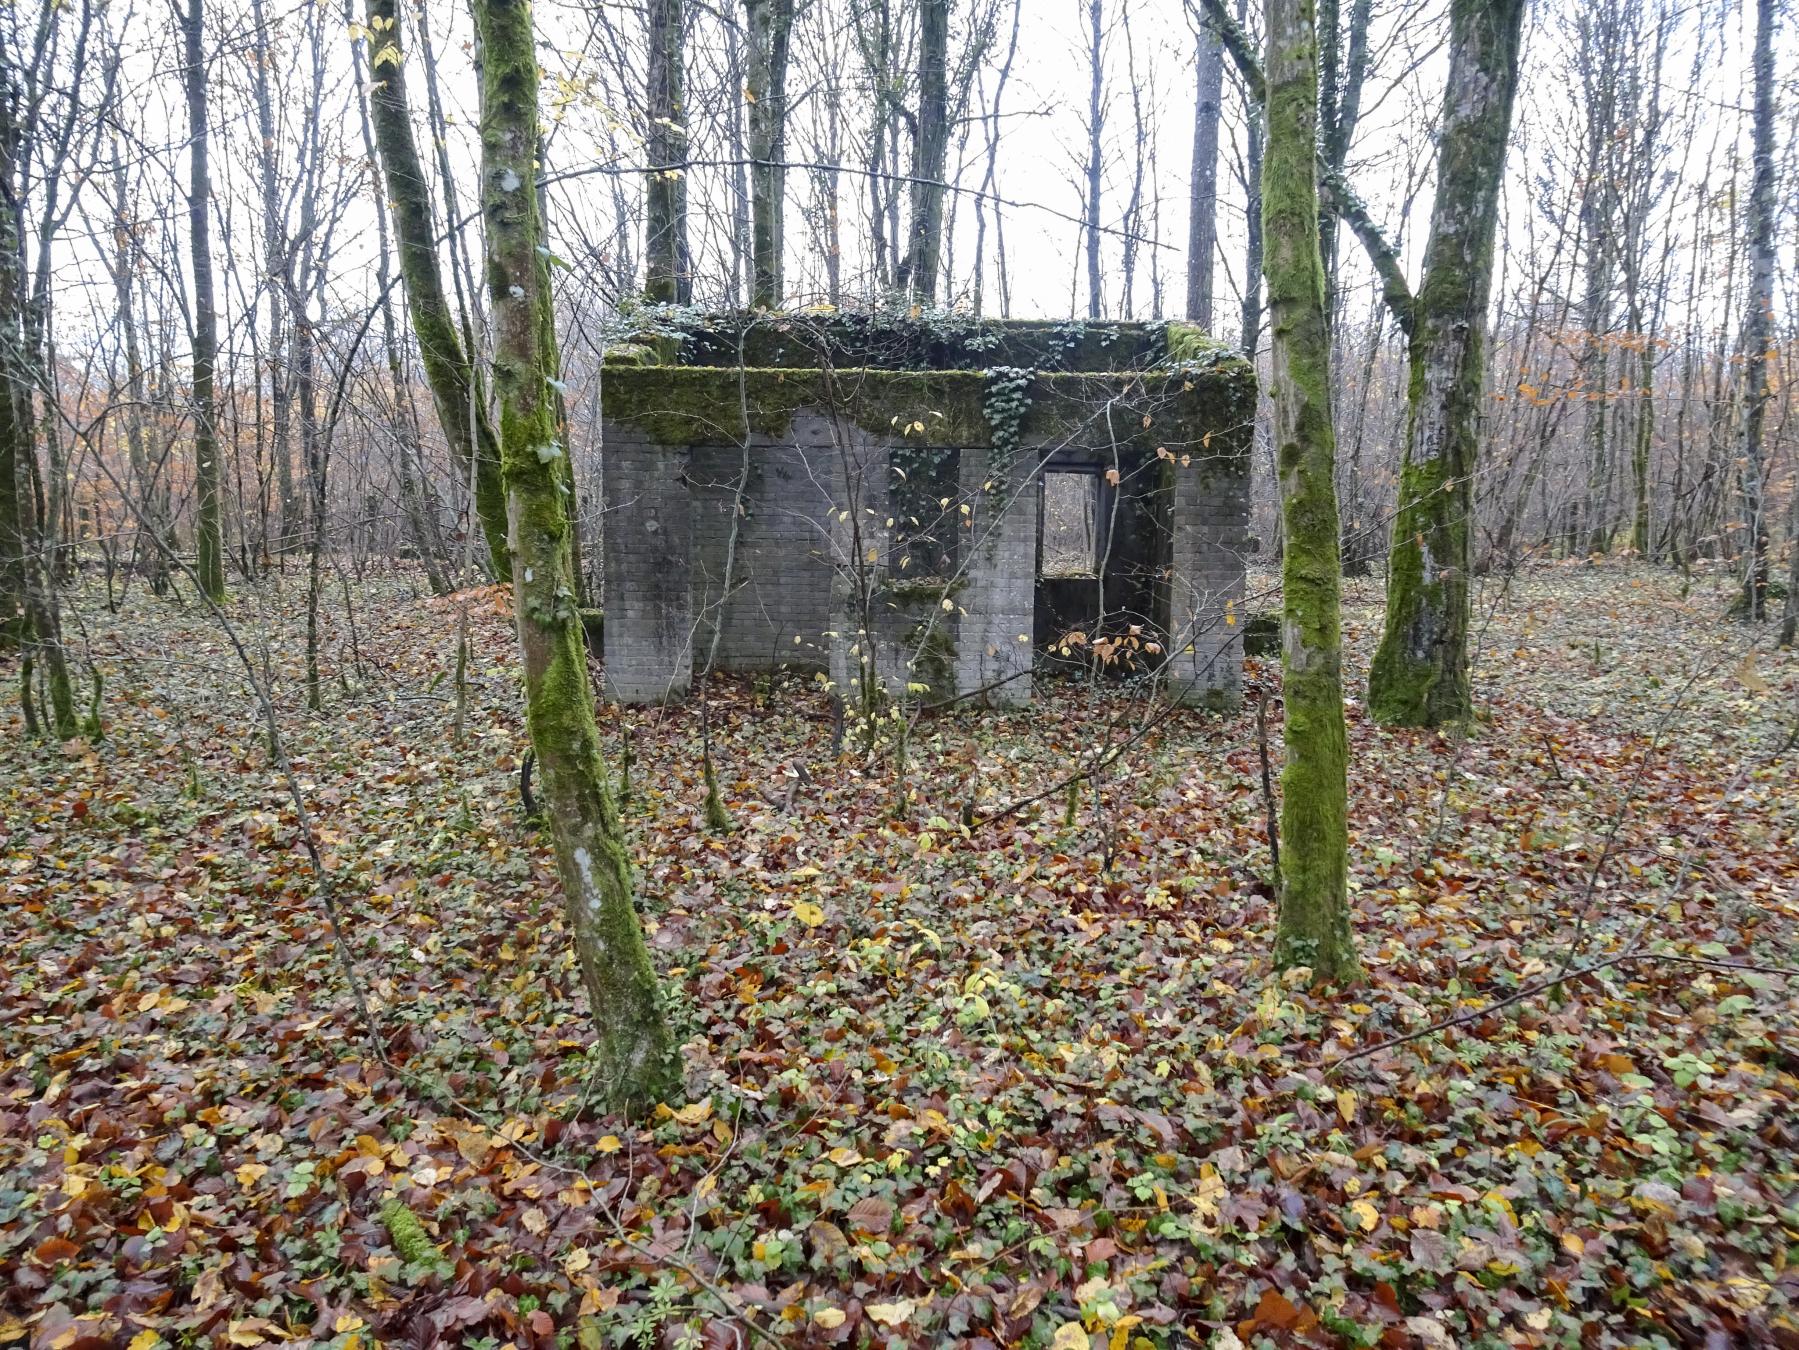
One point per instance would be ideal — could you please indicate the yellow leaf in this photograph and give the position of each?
(248, 1174)
(892, 1314)
(1366, 1215)
(808, 913)
(829, 1318)
(1346, 1105)
(577, 1261)
(144, 1340)
(1070, 1336)
(610, 1143)
(1747, 677)
(695, 1113)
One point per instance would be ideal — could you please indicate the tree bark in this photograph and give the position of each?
(1420, 672)
(770, 32)
(1758, 319)
(1096, 113)
(417, 501)
(1202, 199)
(210, 541)
(274, 288)
(930, 154)
(456, 388)
(146, 476)
(1313, 929)
(636, 1050)
(668, 270)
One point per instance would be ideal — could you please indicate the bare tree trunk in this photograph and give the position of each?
(635, 1048)
(146, 476)
(1758, 320)
(990, 179)
(1096, 125)
(1202, 197)
(210, 541)
(274, 247)
(1420, 673)
(1250, 327)
(770, 34)
(930, 153)
(1313, 927)
(668, 271)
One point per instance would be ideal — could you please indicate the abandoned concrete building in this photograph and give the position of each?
(921, 509)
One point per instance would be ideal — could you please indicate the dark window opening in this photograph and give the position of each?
(1070, 524)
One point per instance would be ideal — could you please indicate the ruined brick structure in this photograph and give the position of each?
(874, 499)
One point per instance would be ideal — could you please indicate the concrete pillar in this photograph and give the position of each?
(998, 605)
(648, 550)
(1208, 523)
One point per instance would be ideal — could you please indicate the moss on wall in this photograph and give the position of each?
(930, 340)
(1209, 407)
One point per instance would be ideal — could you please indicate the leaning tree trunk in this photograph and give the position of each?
(456, 390)
(668, 272)
(1314, 903)
(924, 236)
(636, 1049)
(1758, 320)
(1420, 673)
(210, 540)
(770, 32)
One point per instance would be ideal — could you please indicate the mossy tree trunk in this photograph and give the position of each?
(1314, 903)
(208, 480)
(668, 271)
(1758, 320)
(924, 242)
(14, 443)
(770, 32)
(1420, 673)
(456, 390)
(636, 1049)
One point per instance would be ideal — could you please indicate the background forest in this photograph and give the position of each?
(369, 981)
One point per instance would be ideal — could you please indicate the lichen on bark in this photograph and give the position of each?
(456, 387)
(1313, 928)
(635, 1050)
(1420, 672)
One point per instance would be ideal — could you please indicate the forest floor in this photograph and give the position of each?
(1029, 1084)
